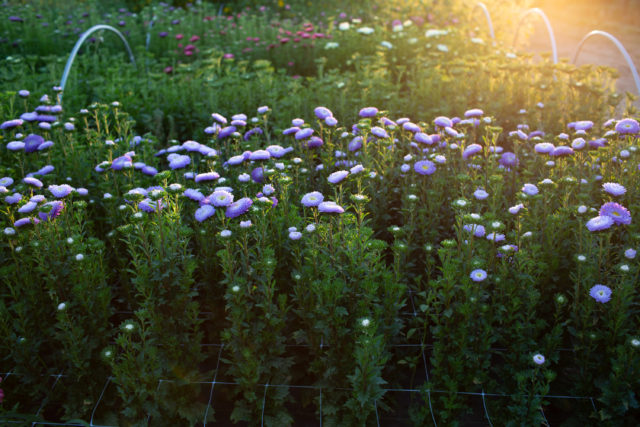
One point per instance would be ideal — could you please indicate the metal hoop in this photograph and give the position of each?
(488, 16)
(620, 47)
(81, 40)
(552, 39)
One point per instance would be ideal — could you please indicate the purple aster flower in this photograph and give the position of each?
(239, 117)
(23, 93)
(379, 132)
(355, 144)
(368, 112)
(495, 237)
(330, 207)
(477, 229)
(263, 109)
(219, 118)
(423, 138)
(598, 143)
(388, 122)
(562, 151)
(614, 188)
(33, 181)
(6, 181)
(331, 121)
(295, 235)
(239, 123)
(28, 207)
(221, 198)
(122, 162)
(337, 177)
(471, 150)
(480, 194)
(60, 191)
(193, 194)
(322, 113)
(54, 210)
(513, 210)
(276, 151)
(15, 145)
(443, 122)
(618, 213)
(45, 145)
(22, 222)
(312, 199)
(191, 146)
(297, 122)
(226, 131)
(238, 208)
(508, 159)
(45, 170)
(411, 127)
(478, 275)
(627, 127)
(209, 176)
(530, 189)
(544, 148)
(538, 359)
(204, 212)
(356, 169)
(583, 125)
(260, 155)
(601, 293)
(257, 175)
(179, 162)
(314, 142)
(291, 130)
(600, 223)
(304, 133)
(424, 167)
(16, 19)
(9, 124)
(32, 142)
(149, 205)
(268, 189)
(474, 112)
(149, 170)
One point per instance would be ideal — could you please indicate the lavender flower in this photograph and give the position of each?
(600, 223)
(268, 189)
(530, 189)
(477, 229)
(60, 191)
(513, 210)
(424, 167)
(148, 205)
(600, 293)
(368, 112)
(219, 118)
(238, 208)
(221, 198)
(54, 209)
(295, 235)
(562, 151)
(13, 199)
(423, 138)
(312, 199)
(614, 189)
(355, 144)
(337, 177)
(322, 113)
(478, 275)
(411, 127)
(618, 213)
(330, 207)
(538, 359)
(208, 176)
(304, 133)
(379, 132)
(193, 194)
(33, 181)
(474, 112)
(263, 109)
(6, 181)
(289, 131)
(630, 253)
(480, 194)
(28, 207)
(314, 142)
(276, 151)
(23, 221)
(204, 212)
(257, 175)
(9, 124)
(627, 127)
(443, 122)
(226, 131)
(179, 162)
(508, 159)
(471, 150)
(544, 148)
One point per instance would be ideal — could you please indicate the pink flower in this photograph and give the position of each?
(179, 36)
(194, 39)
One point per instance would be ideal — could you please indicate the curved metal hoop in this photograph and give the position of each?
(81, 40)
(552, 38)
(620, 47)
(488, 16)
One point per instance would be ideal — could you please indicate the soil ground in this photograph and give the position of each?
(571, 20)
